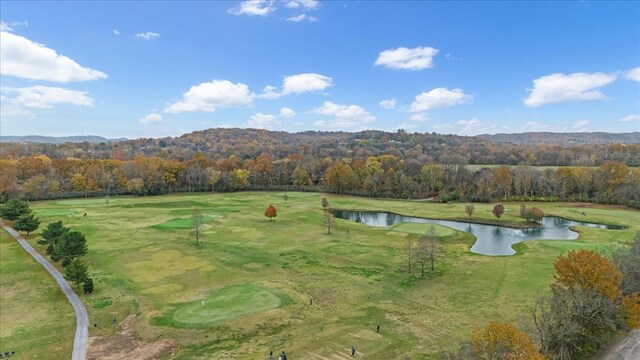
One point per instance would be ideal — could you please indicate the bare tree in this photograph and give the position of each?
(469, 209)
(409, 249)
(432, 245)
(196, 225)
(427, 248)
(329, 221)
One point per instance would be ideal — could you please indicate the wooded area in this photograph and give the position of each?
(370, 163)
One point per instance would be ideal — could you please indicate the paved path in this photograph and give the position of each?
(82, 319)
(627, 349)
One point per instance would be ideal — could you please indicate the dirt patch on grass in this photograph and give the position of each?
(123, 346)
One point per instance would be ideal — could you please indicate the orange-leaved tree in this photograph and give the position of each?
(590, 271)
(270, 212)
(503, 341)
(631, 308)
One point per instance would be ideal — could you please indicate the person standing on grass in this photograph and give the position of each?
(353, 350)
(270, 355)
(378, 328)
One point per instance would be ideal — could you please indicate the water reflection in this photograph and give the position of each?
(491, 239)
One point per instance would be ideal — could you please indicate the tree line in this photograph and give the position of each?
(547, 149)
(40, 177)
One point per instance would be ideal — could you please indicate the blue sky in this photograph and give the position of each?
(154, 69)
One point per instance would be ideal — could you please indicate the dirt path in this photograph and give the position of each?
(82, 319)
(627, 349)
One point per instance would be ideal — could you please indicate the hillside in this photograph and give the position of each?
(39, 139)
(576, 138)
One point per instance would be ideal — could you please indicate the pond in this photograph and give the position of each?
(491, 239)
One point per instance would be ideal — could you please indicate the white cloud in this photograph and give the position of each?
(443, 127)
(211, 95)
(470, 122)
(269, 92)
(152, 118)
(44, 97)
(263, 121)
(302, 17)
(581, 123)
(286, 112)
(343, 116)
(630, 118)
(149, 35)
(439, 98)
(419, 117)
(23, 58)
(633, 74)
(474, 127)
(306, 4)
(115, 32)
(404, 125)
(407, 59)
(302, 83)
(254, 8)
(561, 88)
(5, 27)
(10, 110)
(388, 104)
(19, 23)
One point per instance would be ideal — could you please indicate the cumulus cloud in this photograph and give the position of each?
(152, 118)
(262, 121)
(407, 59)
(45, 97)
(23, 58)
(562, 88)
(115, 32)
(388, 104)
(270, 92)
(305, 4)
(149, 35)
(211, 95)
(343, 116)
(301, 17)
(630, 118)
(439, 98)
(302, 83)
(633, 74)
(418, 117)
(285, 112)
(254, 8)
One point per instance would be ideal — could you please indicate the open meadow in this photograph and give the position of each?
(247, 289)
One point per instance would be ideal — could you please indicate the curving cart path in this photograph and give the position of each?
(82, 319)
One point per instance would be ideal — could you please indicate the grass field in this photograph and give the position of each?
(36, 321)
(257, 276)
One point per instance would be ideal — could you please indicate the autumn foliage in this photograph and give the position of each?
(590, 271)
(631, 307)
(270, 212)
(498, 210)
(503, 341)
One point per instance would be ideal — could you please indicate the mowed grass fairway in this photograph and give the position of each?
(258, 276)
(36, 321)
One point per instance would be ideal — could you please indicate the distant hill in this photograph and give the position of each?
(565, 139)
(58, 139)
